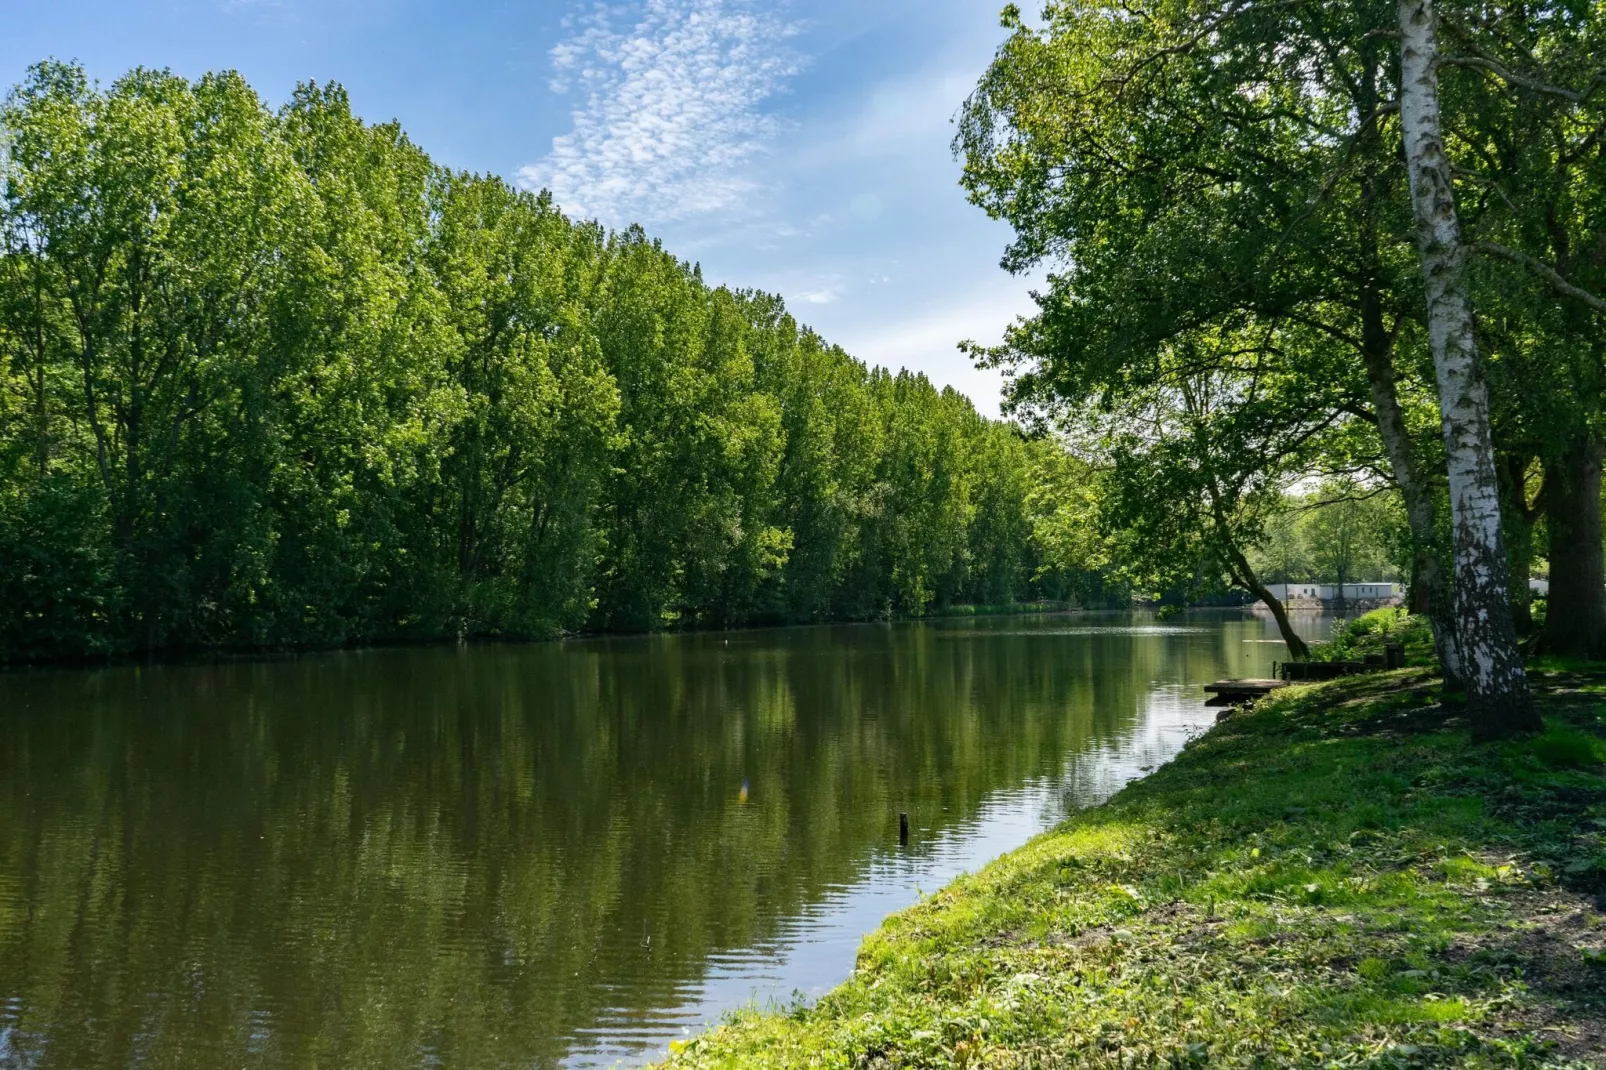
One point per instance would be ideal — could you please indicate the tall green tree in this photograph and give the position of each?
(1346, 530)
(526, 462)
(1196, 462)
(1499, 700)
(1187, 165)
(1207, 166)
(275, 378)
(367, 401)
(1524, 103)
(147, 223)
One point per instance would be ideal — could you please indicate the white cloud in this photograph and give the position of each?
(849, 205)
(925, 336)
(824, 295)
(669, 119)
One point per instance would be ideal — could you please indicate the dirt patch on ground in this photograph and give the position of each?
(1556, 946)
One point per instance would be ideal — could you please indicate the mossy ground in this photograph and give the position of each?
(1335, 877)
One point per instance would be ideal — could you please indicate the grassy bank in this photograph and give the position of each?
(1337, 877)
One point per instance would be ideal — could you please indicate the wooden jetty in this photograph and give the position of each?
(1232, 692)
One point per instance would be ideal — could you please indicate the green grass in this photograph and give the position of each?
(1368, 633)
(1336, 877)
(1564, 747)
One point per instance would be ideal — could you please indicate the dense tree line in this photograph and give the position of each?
(1295, 239)
(274, 377)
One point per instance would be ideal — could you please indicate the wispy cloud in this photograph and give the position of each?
(829, 290)
(669, 115)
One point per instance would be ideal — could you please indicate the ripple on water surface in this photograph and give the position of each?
(534, 855)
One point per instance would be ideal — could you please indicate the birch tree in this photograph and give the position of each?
(1195, 164)
(1525, 113)
(1499, 701)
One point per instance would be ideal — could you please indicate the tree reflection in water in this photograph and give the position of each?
(508, 855)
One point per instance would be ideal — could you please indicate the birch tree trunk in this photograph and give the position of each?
(1430, 587)
(1498, 699)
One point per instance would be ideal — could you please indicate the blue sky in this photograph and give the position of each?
(798, 146)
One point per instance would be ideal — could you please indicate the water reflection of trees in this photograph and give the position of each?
(379, 858)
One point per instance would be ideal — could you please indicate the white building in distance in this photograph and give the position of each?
(1328, 592)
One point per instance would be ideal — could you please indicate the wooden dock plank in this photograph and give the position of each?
(1244, 687)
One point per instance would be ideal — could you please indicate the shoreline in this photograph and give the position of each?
(1334, 875)
(221, 654)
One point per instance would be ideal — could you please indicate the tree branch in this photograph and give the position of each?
(1543, 271)
(1343, 499)
(1360, 412)
(1513, 78)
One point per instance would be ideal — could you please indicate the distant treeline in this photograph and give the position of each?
(275, 378)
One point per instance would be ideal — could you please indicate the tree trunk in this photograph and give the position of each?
(1430, 592)
(1521, 555)
(1519, 521)
(1575, 624)
(1498, 700)
(1245, 575)
(40, 382)
(1430, 589)
(1297, 649)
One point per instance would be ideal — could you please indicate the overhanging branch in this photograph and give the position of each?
(1544, 271)
(1511, 77)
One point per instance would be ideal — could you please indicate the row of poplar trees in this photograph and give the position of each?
(1365, 240)
(273, 377)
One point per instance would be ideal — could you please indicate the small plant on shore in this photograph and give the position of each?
(1370, 632)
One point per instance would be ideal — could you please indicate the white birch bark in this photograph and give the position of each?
(1498, 700)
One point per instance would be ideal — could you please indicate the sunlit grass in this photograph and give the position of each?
(1335, 878)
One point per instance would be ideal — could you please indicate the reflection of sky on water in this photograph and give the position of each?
(526, 855)
(814, 950)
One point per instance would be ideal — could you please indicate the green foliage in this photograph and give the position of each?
(56, 578)
(1195, 334)
(276, 378)
(1340, 532)
(1218, 196)
(1336, 877)
(1369, 632)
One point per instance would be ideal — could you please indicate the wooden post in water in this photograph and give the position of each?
(903, 829)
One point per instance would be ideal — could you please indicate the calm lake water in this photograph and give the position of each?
(539, 855)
